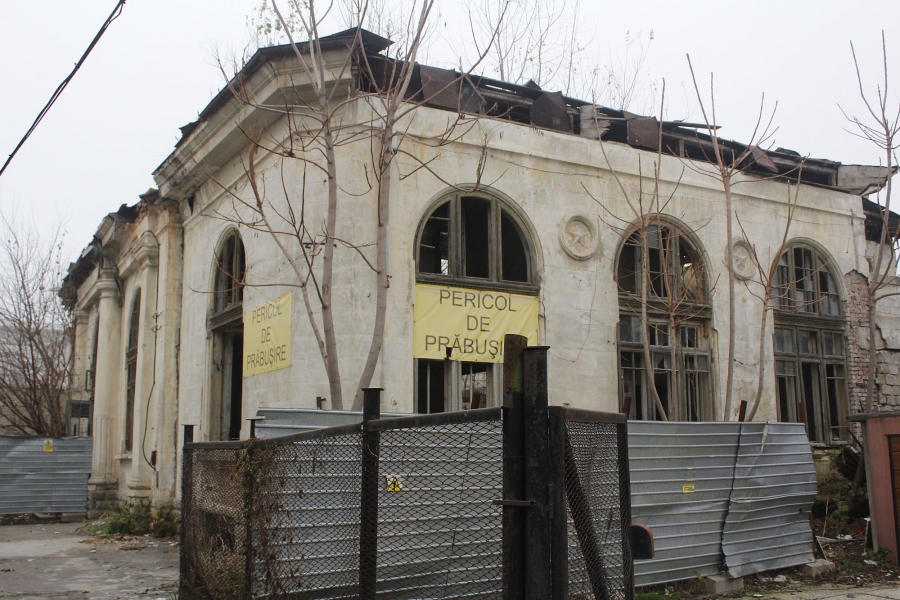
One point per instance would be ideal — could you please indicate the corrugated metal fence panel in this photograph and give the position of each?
(775, 486)
(317, 518)
(35, 481)
(287, 421)
(681, 476)
(439, 536)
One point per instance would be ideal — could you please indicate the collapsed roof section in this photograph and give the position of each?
(528, 104)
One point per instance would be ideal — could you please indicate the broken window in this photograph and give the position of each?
(131, 353)
(674, 269)
(449, 385)
(804, 284)
(810, 368)
(476, 242)
(676, 329)
(230, 268)
(684, 391)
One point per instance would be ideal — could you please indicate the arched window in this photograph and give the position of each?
(675, 332)
(477, 242)
(131, 353)
(227, 325)
(230, 267)
(810, 366)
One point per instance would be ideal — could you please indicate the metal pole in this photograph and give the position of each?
(559, 530)
(513, 467)
(537, 476)
(368, 502)
(625, 510)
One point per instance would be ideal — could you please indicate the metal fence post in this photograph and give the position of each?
(368, 502)
(559, 529)
(513, 467)
(625, 509)
(537, 469)
(250, 491)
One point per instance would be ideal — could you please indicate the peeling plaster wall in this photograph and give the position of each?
(545, 176)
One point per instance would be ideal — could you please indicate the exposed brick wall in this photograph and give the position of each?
(857, 335)
(887, 368)
(887, 379)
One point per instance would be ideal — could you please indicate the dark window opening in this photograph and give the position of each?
(514, 254)
(230, 271)
(476, 241)
(434, 248)
(131, 369)
(476, 260)
(430, 393)
(236, 384)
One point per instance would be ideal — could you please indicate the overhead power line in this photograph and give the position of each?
(112, 17)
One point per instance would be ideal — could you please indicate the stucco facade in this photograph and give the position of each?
(545, 181)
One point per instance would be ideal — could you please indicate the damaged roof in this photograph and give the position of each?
(449, 89)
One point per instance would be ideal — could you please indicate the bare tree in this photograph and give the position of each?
(880, 126)
(729, 161)
(316, 132)
(34, 331)
(663, 299)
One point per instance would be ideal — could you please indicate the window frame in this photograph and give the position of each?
(700, 318)
(452, 369)
(494, 281)
(789, 315)
(678, 378)
(785, 296)
(224, 316)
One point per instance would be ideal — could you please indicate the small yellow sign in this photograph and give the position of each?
(470, 322)
(267, 336)
(687, 488)
(394, 484)
(48, 445)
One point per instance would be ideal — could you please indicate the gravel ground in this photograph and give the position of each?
(53, 561)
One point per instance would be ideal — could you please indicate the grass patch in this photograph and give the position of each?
(135, 518)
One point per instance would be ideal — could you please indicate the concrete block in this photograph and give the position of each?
(723, 584)
(816, 568)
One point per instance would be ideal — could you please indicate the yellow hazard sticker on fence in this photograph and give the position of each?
(48, 445)
(687, 488)
(394, 483)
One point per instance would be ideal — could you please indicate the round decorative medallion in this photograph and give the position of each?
(578, 237)
(742, 260)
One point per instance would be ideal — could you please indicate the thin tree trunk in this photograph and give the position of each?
(761, 371)
(729, 379)
(381, 244)
(332, 366)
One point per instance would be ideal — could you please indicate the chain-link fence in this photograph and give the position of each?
(484, 503)
(598, 510)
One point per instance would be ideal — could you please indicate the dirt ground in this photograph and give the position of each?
(52, 561)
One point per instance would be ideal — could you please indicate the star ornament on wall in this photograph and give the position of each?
(578, 237)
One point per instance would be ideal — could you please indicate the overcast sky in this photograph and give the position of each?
(153, 71)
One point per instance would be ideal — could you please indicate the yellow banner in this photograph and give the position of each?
(267, 336)
(471, 322)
